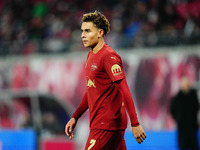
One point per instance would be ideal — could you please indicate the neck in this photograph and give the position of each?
(99, 46)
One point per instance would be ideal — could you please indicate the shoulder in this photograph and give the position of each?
(109, 52)
(193, 90)
(177, 96)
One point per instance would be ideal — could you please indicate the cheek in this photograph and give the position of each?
(93, 38)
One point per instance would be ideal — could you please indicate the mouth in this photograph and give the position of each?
(84, 41)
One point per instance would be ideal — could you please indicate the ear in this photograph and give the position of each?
(101, 32)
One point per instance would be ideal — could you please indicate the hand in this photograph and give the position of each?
(139, 134)
(70, 127)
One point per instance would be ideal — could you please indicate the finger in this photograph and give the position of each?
(141, 139)
(71, 129)
(70, 137)
(138, 140)
(144, 136)
(67, 130)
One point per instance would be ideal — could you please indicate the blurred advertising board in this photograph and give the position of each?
(156, 140)
(18, 140)
(57, 144)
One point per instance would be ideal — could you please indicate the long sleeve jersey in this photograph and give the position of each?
(107, 93)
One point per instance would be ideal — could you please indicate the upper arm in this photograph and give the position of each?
(113, 66)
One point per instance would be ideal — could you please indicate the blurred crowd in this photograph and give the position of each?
(53, 26)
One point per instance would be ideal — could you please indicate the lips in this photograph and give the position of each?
(84, 41)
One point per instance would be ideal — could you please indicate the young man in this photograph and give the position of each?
(107, 93)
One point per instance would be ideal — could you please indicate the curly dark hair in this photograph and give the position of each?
(98, 19)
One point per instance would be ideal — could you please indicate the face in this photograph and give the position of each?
(90, 34)
(185, 84)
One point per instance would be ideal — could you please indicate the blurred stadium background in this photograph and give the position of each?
(42, 67)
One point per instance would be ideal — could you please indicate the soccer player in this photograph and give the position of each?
(107, 94)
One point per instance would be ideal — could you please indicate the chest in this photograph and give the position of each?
(94, 65)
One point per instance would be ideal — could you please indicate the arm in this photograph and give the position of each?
(82, 107)
(72, 122)
(137, 130)
(114, 68)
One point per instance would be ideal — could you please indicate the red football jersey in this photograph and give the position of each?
(106, 106)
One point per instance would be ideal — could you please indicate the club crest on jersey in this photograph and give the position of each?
(94, 67)
(90, 83)
(116, 69)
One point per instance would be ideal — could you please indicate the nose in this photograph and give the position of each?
(82, 35)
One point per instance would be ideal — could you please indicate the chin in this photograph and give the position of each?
(86, 46)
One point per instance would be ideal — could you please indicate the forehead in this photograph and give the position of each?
(88, 25)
